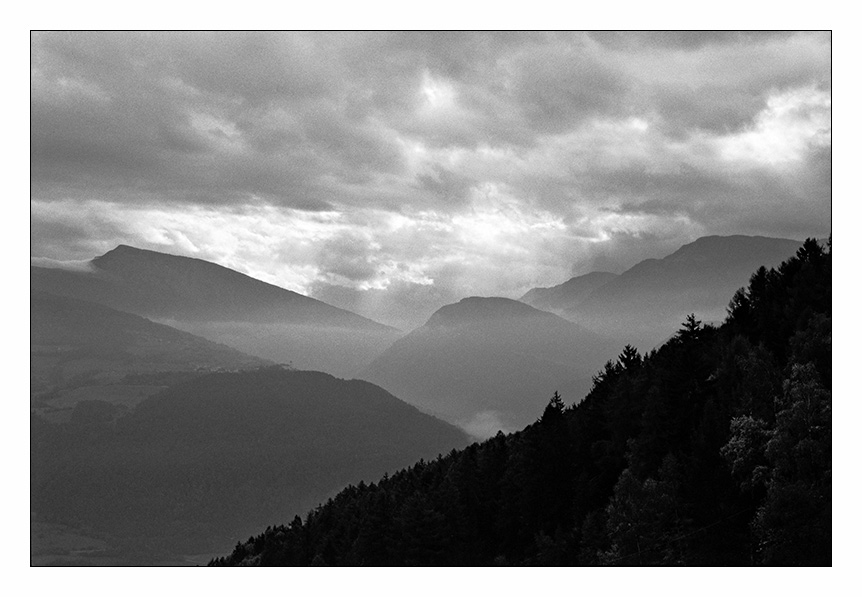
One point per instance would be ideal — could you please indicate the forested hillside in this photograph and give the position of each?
(714, 449)
(208, 460)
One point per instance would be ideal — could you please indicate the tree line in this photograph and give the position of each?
(714, 449)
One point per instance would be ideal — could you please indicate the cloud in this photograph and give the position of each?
(782, 134)
(388, 169)
(75, 266)
(484, 425)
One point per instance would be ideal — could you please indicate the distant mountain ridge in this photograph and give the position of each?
(490, 363)
(225, 306)
(647, 302)
(72, 338)
(569, 293)
(474, 309)
(158, 284)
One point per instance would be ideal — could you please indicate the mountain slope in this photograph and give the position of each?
(489, 363)
(206, 462)
(646, 303)
(568, 294)
(166, 286)
(714, 450)
(224, 306)
(76, 345)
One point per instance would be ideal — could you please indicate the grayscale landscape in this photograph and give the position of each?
(434, 299)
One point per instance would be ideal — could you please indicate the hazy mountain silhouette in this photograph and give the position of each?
(156, 284)
(490, 363)
(568, 294)
(713, 450)
(645, 304)
(205, 463)
(223, 305)
(80, 349)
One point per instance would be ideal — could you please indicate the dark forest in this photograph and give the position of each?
(714, 449)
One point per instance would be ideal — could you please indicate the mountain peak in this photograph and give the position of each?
(155, 284)
(122, 248)
(736, 245)
(126, 252)
(478, 308)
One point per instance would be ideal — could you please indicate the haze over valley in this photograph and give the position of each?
(224, 306)
(430, 298)
(644, 304)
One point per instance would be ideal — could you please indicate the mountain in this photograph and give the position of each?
(159, 285)
(568, 294)
(79, 350)
(223, 305)
(713, 450)
(489, 363)
(646, 303)
(203, 464)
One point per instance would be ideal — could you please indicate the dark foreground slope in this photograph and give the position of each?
(225, 306)
(714, 449)
(206, 462)
(488, 363)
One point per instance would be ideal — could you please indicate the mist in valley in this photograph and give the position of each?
(430, 298)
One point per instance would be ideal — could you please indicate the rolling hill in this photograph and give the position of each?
(203, 464)
(490, 363)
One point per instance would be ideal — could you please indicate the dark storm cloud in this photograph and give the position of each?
(347, 256)
(564, 83)
(445, 184)
(718, 81)
(687, 40)
(199, 117)
(73, 232)
(434, 161)
(224, 117)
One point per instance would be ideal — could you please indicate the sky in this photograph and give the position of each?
(393, 173)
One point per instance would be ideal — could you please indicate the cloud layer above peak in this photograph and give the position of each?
(391, 173)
